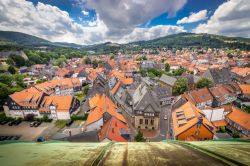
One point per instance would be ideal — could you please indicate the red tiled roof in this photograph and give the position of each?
(112, 130)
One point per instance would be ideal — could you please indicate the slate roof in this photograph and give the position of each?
(82, 73)
(219, 76)
(144, 100)
(91, 136)
(168, 80)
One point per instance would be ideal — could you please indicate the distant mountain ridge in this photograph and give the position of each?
(171, 41)
(18, 38)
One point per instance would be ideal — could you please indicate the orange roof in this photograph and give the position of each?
(99, 104)
(199, 96)
(220, 92)
(245, 88)
(127, 81)
(28, 97)
(116, 87)
(240, 117)
(187, 116)
(62, 103)
(118, 74)
(219, 123)
(66, 83)
(241, 71)
(112, 130)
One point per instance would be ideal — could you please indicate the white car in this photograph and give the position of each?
(165, 117)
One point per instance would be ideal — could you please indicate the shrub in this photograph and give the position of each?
(139, 137)
(29, 117)
(75, 117)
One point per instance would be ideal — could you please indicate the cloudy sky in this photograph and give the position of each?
(122, 21)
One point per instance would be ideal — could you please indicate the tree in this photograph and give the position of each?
(19, 61)
(112, 57)
(178, 72)
(5, 91)
(204, 82)
(167, 67)
(29, 117)
(6, 79)
(139, 137)
(143, 73)
(151, 75)
(87, 61)
(95, 64)
(10, 62)
(40, 81)
(180, 86)
(11, 69)
(86, 89)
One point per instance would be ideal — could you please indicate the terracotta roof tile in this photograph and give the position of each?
(240, 117)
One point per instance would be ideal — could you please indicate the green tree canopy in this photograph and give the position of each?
(167, 67)
(11, 69)
(204, 82)
(139, 137)
(180, 86)
(5, 92)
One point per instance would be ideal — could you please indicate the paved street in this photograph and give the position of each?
(164, 124)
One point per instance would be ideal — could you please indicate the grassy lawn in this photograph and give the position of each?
(132, 153)
(60, 123)
(238, 151)
(80, 96)
(49, 153)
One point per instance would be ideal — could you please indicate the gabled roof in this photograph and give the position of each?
(199, 96)
(27, 97)
(62, 103)
(48, 87)
(127, 81)
(241, 71)
(240, 117)
(219, 92)
(168, 80)
(113, 130)
(143, 97)
(99, 104)
(116, 87)
(219, 76)
(245, 88)
(187, 116)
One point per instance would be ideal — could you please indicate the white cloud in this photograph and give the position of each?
(232, 18)
(85, 13)
(194, 17)
(124, 16)
(151, 33)
(51, 23)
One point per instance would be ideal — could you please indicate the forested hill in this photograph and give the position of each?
(195, 40)
(22, 39)
(10, 39)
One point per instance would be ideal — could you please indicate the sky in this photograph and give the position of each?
(122, 21)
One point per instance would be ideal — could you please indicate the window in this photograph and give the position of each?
(152, 122)
(141, 121)
(197, 132)
(146, 121)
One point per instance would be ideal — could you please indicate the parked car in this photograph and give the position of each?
(32, 124)
(40, 139)
(37, 123)
(11, 123)
(69, 122)
(165, 117)
(16, 137)
(17, 122)
(3, 122)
